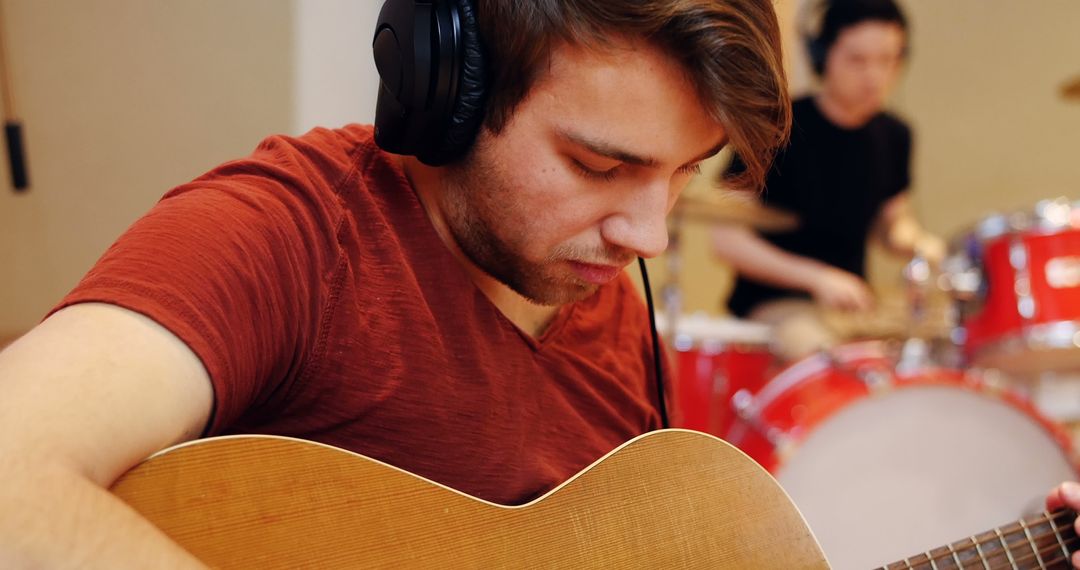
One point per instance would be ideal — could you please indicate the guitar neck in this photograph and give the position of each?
(1041, 541)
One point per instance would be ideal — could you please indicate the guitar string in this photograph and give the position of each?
(1051, 563)
(1065, 559)
(1033, 546)
(1050, 519)
(1044, 518)
(1054, 549)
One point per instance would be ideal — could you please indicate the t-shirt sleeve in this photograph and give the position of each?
(239, 264)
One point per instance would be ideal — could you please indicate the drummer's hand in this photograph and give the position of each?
(838, 289)
(931, 248)
(1066, 495)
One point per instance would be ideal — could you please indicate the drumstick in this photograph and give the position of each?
(12, 125)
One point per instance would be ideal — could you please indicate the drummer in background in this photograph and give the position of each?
(845, 175)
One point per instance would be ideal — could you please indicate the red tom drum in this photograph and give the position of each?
(1017, 281)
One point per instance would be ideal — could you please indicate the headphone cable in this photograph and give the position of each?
(660, 397)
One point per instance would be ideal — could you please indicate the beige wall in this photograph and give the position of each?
(120, 100)
(991, 132)
(335, 77)
(982, 93)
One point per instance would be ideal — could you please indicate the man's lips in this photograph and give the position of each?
(597, 274)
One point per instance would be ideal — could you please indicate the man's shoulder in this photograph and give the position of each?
(308, 169)
(345, 142)
(334, 159)
(353, 135)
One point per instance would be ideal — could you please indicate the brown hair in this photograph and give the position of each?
(730, 50)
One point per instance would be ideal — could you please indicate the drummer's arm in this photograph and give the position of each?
(762, 261)
(898, 230)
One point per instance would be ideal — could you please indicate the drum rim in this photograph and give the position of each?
(689, 343)
(1049, 216)
(727, 332)
(814, 364)
(1048, 336)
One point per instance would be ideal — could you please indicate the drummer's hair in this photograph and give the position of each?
(838, 15)
(729, 49)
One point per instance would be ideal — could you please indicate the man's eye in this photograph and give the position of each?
(592, 174)
(690, 168)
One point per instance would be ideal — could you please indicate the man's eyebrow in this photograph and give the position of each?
(606, 149)
(613, 152)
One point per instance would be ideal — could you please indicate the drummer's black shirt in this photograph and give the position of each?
(836, 181)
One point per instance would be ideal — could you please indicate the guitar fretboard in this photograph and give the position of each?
(1043, 542)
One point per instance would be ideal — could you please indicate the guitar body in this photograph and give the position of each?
(667, 499)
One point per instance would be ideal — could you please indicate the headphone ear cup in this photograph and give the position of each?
(403, 59)
(467, 110)
(432, 79)
(811, 23)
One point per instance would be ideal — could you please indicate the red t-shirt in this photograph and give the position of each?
(311, 284)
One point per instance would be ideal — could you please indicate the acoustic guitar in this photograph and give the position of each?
(666, 499)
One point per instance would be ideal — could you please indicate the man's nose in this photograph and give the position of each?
(641, 224)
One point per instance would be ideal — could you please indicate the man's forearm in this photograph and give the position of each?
(51, 517)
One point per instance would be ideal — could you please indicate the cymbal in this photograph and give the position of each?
(1071, 89)
(727, 207)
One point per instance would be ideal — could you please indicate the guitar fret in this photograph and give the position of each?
(1005, 545)
(920, 561)
(940, 558)
(1057, 535)
(1019, 546)
(965, 552)
(955, 557)
(1034, 546)
(986, 566)
(994, 549)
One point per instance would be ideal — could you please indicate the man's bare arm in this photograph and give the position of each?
(83, 397)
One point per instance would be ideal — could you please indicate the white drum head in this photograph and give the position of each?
(904, 471)
(699, 330)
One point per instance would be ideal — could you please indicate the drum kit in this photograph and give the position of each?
(906, 441)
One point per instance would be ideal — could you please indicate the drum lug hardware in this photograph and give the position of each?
(914, 356)
(783, 444)
(743, 403)
(993, 381)
(1019, 259)
(746, 409)
(875, 379)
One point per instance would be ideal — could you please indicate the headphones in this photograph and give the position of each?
(817, 49)
(432, 83)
